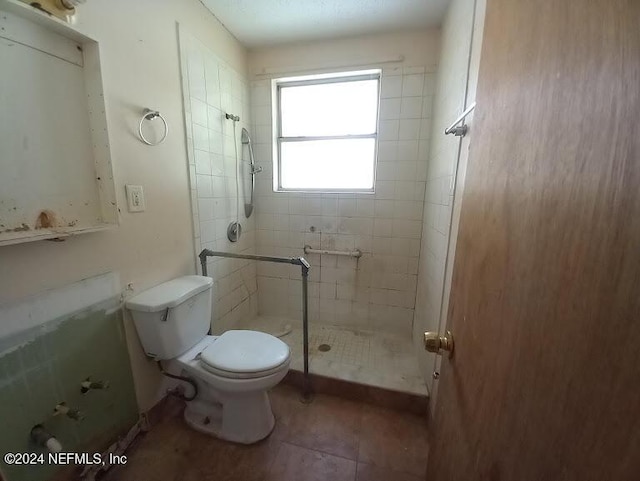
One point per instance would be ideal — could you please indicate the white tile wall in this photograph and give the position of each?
(443, 158)
(210, 89)
(377, 291)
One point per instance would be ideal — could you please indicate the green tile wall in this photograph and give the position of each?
(45, 365)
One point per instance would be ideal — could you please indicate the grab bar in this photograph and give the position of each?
(307, 392)
(310, 250)
(460, 130)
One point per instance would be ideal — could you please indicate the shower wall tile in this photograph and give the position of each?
(412, 85)
(450, 86)
(210, 89)
(391, 86)
(378, 290)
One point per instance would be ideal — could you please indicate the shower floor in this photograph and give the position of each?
(365, 357)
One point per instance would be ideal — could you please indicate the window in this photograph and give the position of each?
(326, 131)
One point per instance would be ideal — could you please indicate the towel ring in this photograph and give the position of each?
(150, 115)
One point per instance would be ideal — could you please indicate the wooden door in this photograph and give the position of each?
(545, 300)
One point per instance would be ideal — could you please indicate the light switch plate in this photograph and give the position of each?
(135, 198)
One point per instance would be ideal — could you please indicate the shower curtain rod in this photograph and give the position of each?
(269, 71)
(460, 130)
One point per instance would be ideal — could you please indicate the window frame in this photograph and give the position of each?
(341, 77)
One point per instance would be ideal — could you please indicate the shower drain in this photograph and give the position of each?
(324, 347)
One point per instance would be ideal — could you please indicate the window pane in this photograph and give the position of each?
(344, 108)
(328, 164)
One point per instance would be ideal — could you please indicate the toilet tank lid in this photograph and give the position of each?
(169, 294)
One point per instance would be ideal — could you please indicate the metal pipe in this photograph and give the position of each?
(180, 378)
(307, 392)
(298, 261)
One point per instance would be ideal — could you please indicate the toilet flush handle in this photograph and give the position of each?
(165, 317)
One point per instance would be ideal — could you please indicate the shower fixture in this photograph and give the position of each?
(235, 229)
(253, 170)
(244, 137)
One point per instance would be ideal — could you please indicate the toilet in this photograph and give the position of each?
(233, 371)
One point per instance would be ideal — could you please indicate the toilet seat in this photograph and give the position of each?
(241, 354)
(243, 375)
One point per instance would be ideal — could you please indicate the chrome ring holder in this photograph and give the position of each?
(150, 115)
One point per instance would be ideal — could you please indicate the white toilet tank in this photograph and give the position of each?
(173, 316)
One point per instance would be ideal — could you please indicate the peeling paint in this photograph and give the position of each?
(22, 228)
(46, 220)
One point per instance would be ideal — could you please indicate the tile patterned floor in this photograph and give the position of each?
(331, 439)
(366, 357)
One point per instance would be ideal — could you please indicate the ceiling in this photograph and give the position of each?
(267, 22)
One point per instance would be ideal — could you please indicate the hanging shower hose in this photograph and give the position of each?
(180, 378)
(235, 146)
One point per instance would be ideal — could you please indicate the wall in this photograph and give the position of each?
(211, 88)
(445, 175)
(378, 290)
(141, 69)
(419, 48)
(53, 343)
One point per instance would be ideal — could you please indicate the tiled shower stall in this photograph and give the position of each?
(210, 89)
(362, 307)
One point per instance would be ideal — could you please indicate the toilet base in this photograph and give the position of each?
(244, 418)
(234, 409)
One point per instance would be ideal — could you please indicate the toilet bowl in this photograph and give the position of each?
(232, 403)
(233, 371)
